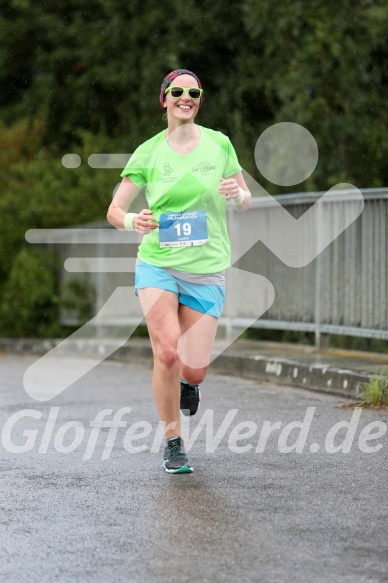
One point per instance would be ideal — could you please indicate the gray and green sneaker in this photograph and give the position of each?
(190, 398)
(175, 457)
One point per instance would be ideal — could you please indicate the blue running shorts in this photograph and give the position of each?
(208, 299)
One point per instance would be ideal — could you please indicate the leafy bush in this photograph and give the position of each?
(31, 300)
(78, 296)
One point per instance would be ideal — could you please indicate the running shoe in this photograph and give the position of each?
(190, 398)
(175, 457)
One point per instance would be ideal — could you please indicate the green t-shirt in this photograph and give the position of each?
(188, 183)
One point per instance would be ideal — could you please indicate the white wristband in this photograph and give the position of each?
(128, 221)
(240, 199)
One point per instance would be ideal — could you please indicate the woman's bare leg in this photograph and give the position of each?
(160, 309)
(198, 332)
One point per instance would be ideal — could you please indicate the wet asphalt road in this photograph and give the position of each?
(269, 516)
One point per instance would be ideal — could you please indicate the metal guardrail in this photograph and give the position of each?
(342, 291)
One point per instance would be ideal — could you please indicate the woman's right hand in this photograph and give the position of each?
(144, 222)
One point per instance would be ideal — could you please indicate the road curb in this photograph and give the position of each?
(322, 378)
(318, 377)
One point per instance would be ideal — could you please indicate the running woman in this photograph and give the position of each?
(190, 172)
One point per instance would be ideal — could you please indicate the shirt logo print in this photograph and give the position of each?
(167, 169)
(203, 167)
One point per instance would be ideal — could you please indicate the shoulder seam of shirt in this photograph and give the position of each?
(150, 144)
(214, 134)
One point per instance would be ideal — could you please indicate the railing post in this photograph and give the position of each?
(318, 266)
(100, 281)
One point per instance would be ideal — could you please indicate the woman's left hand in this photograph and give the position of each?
(229, 187)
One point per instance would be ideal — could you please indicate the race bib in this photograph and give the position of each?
(185, 229)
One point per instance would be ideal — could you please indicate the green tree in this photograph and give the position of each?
(84, 78)
(323, 65)
(98, 66)
(30, 302)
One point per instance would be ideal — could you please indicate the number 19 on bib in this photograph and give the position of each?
(183, 229)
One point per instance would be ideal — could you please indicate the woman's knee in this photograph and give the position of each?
(193, 376)
(166, 355)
